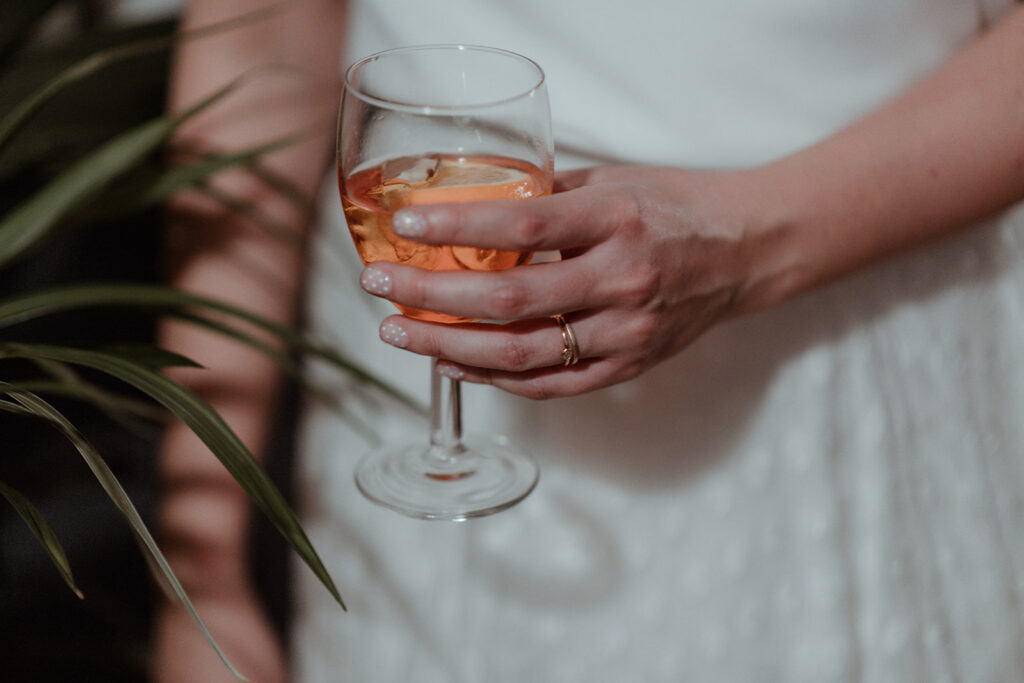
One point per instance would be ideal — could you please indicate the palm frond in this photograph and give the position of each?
(139, 193)
(39, 408)
(168, 300)
(206, 424)
(35, 520)
(36, 218)
(19, 20)
(111, 173)
(18, 117)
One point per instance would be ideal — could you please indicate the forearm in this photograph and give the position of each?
(946, 153)
(217, 251)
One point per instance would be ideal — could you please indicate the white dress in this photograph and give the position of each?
(829, 491)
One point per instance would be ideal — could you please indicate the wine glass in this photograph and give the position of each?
(432, 124)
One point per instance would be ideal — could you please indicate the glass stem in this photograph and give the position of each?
(445, 413)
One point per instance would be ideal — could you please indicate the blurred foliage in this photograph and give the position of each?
(46, 632)
(82, 174)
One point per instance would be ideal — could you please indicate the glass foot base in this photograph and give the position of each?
(426, 482)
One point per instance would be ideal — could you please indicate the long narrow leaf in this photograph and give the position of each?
(18, 21)
(150, 191)
(303, 202)
(117, 494)
(18, 117)
(36, 217)
(207, 425)
(114, 404)
(282, 360)
(251, 211)
(42, 531)
(290, 368)
(147, 355)
(168, 300)
(287, 189)
(121, 409)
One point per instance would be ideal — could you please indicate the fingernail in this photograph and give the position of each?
(393, 334)
(409, 224)
(375, 281)
(446, 369)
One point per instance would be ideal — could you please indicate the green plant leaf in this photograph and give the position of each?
(117, 407)
(20, 115)
(147, 355)
(19, 19)
(168, 300)
(291, 368)
(114, 404)
(147, 191)
(207, 425)
(36, 217)
(251, 211)
(304, 203)
(117, 494)
(41, 529)
(282, 360)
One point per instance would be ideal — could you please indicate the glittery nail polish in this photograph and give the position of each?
(375, 281)
(409, 224)
(393, 334)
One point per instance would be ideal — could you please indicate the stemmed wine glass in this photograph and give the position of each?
(432, 124)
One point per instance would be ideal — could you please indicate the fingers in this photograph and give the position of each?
(545, 383)
(531, 291)
(567, 220)
(570, 180)
(525, 357)
(514, 347)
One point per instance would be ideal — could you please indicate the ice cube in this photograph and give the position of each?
(399, 177)
(476, 259)
(393, 195)
(413, 254)
(409, 170)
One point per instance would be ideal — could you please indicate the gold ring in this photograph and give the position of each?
(571, 350)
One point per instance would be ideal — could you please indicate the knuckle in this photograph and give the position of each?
(459, 221)
(535, 389)
(643, 330)
(631, 370)
(431, 345)
(416, 293)
(640, 287)
(508, 301)
(628, 206)
(527, 231)
(513, 355)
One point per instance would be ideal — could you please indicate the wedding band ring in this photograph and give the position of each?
(570, 350)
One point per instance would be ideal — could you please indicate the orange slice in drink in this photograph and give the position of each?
(467, 181)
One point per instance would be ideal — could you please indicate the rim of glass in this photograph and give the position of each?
(430, 108)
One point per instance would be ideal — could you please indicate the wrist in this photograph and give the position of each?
(776, 257)
(806, 227)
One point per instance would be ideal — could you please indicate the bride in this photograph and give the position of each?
(791, 450)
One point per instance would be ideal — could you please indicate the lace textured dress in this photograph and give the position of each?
(832, 490)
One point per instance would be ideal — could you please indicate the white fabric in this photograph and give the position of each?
(829, 491)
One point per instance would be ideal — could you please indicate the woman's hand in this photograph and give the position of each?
(651, 258)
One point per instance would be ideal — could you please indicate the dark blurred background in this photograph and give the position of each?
(46, 633)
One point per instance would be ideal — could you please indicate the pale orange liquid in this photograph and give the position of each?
(369, 204)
